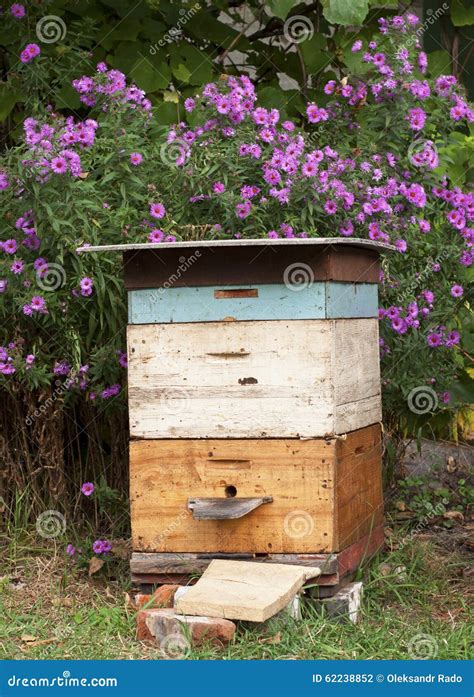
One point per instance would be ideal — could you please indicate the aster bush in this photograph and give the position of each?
(372, 159)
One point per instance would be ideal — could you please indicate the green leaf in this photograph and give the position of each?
(9, 96)
(315, 57)
(181, 72)
(345, 12)
(462, 13)
(439, 63)
(148, 76)
(281, 8)
(67, 97)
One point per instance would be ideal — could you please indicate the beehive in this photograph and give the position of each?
(254, 402)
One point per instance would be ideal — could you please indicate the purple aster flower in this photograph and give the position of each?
(86, 286)
(347, 228)
(316, 114)
(433, 339)
(37, 303)
(416, 118)
(457, 291)
(189, 104)
(123, 361)
(3, 285)
(61, 368)
(399, 325)
(70, 550)
(98, 547)
(243, 209)
(330, 207)
(10, 246)
(218, 188)
(30, 359)
(111, 391)
(156, 236)
(401, 245)
(356, 46)
(453, 338)
(87, 488)
(17, 267)
(18, 11)
(3, 181)
(136, 159)
(29, 52)
(59, 165)
(157, 210)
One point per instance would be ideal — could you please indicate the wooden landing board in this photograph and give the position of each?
(318, 505)
(304, 378)
(240, 590)
(249, 261)
(320, 300)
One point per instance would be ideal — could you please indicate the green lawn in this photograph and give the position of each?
(47, 612)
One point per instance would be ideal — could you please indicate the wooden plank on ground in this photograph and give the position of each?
(241, 590)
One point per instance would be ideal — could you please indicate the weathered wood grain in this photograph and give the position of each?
(153, 567)
(299, 475)
(223, 508)
(250, 261)
(326, 494)
(358, 489)
(242, 590)
(256, 379)
(318, 300)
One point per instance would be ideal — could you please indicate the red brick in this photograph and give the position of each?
(143, 632)
(164, 625)
(162, 597)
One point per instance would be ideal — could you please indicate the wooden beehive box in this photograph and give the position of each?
(254, 401)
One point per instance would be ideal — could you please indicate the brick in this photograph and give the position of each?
(162, 597)
(346, 603)
(143, 632)
(175, 634)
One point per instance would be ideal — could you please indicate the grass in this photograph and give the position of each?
(50, 612)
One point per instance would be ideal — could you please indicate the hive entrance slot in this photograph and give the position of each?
(236, 293)
(230, 491)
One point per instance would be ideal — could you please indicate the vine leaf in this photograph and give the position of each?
(345, 12)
